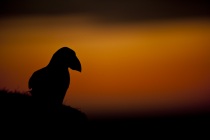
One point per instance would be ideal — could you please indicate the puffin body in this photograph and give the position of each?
(49, 84)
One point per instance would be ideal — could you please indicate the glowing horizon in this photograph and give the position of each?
(125, 67)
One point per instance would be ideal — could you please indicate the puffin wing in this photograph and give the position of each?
(36, 81)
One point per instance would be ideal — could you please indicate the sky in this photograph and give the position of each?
(138, 57)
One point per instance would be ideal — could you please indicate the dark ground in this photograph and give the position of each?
(20, 115)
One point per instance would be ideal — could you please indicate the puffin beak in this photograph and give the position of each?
(75, 64)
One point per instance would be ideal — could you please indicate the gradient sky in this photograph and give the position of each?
(143, 64)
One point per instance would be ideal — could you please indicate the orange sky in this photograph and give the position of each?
(133, 67)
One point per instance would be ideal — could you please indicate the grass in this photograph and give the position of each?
(18, 111)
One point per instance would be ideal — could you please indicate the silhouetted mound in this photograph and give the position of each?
(21, 111)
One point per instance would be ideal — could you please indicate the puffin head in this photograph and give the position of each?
(65, 57)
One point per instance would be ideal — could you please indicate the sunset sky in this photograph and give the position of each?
(134, 60)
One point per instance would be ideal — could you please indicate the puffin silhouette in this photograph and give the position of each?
(49, 84)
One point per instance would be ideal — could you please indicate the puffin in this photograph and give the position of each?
(48, 85)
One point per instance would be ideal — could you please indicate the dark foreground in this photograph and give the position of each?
(191, 126)
(21, 116)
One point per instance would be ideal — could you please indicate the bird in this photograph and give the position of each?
(48, 85)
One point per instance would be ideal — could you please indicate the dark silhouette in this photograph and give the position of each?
(49, 84)
(41, 110)
(20, 114)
